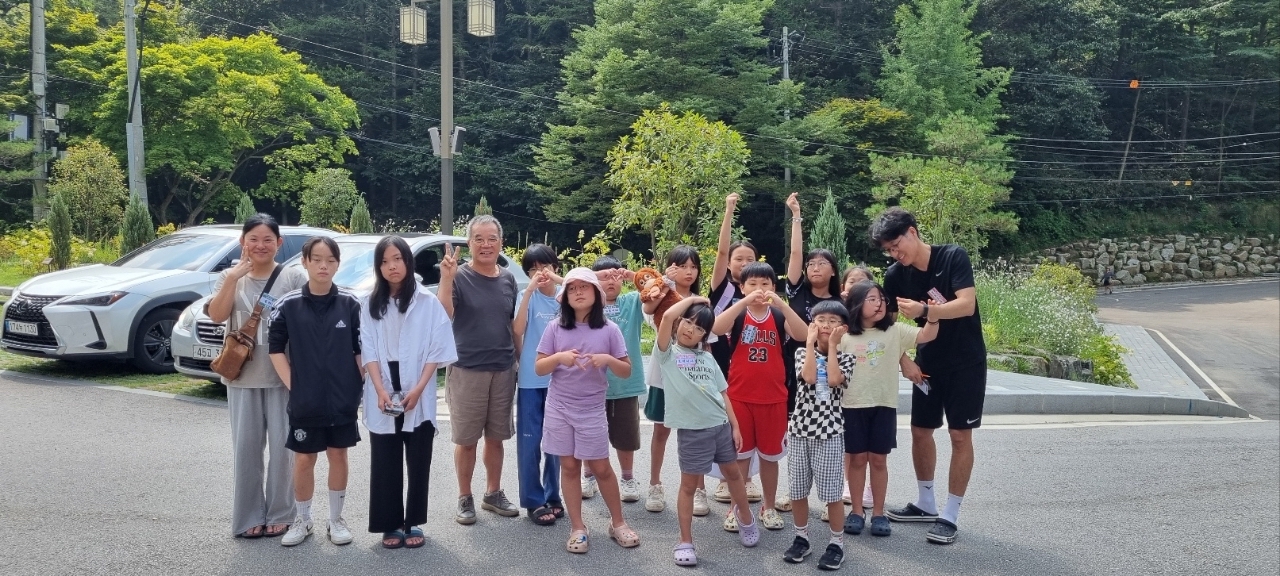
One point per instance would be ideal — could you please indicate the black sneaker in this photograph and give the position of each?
(942, 532)
(832, 558)
(910, 513)
(798, 551)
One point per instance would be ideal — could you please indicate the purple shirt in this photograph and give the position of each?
(580, 389)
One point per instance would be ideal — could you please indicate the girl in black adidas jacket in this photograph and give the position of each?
(319, 326)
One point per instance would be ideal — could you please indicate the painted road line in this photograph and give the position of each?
(1207, 379)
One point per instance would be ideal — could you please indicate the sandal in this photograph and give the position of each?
(686, 555)
(276, 530)
(577, 542)
(624, 536)
(731, 521)
(393, 539)
(557, 508)
(542, 515)
(250, 534)
(415, 532)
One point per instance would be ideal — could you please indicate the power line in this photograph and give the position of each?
(1191, 196)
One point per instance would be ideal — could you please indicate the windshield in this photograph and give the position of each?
(356, 267)
(176, 252)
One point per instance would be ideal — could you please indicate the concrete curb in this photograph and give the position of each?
(1188, 283)
(1094, 403)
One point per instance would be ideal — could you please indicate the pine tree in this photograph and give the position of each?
(829, 231)
(361, 222)
(59, 222)
(137, 228)
(483, 208)
(245, 209)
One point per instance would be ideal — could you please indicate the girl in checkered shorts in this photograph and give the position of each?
(815, 432)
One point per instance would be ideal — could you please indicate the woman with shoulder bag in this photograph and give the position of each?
(262, 496)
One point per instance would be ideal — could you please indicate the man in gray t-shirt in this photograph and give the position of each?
(480, 387)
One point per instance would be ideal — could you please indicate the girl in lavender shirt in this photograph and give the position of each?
(576, 352)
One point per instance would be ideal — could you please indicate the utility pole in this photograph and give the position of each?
(786, 75)
(1134, 84)
(133, 127)
(39, 79)
(446, 117)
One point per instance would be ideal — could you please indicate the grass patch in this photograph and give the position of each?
(115, 374)
(12, 273)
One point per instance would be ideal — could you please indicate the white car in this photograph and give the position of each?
(197, 340)
(126, 310)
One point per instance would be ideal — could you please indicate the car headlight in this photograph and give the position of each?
(187, 318)
(94, 300)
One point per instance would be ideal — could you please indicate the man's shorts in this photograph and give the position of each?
(623, 415)
(699, 449)
(577, 435)
(316, 439)
(873, 429)
(480, 404)
(958, 393)
(763, 427)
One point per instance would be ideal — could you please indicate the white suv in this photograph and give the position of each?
(126, 310)
(197, 340)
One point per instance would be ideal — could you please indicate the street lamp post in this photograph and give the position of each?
(413, 30)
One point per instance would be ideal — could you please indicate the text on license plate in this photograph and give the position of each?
(207, 352)
(28, 328)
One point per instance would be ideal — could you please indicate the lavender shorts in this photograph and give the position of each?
(583, 436)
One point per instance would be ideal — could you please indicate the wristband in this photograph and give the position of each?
(925, 314)
(797, 219)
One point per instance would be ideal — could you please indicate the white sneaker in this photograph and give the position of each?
(700, 505)
(867, 500)
(339, 533)
(298, 531)
(630, 490)
(657, 500)
(589, 487)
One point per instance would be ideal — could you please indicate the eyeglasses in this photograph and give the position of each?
(873, 300)
(832, 323)
(892, 248)
(687, 323)
(817, 264)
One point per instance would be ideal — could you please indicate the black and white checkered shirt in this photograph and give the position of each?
(812, 419)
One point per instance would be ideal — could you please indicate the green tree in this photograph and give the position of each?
(15, 175)
(218, 105)
(91, 182)
(697, 55)
(137, 228)
(934, 66)
(483, 207)
(829, 230)
(327, 197)
(670, 170)
(954, 190)
(59, 222)
(244, 209)
(361, 222)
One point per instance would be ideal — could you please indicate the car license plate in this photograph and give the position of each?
(28, 328)
(207, 352)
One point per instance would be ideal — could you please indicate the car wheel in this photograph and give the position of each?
(151, 352)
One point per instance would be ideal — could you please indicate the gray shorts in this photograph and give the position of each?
(699, 449)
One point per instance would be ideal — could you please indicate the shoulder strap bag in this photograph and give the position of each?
(239, 344)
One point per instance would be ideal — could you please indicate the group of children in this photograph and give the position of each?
(743, 376)
(719, 376)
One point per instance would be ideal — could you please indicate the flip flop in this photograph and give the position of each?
(557, 508)
(397, 536)
(270, 532)
(415, 532)
(539, 515)
(251, 535)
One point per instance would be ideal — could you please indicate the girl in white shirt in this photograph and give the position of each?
(405, 336)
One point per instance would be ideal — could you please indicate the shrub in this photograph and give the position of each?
(1108, 366)
(829, 231)
(59, 222)
(137, 228)
(244, 209)
(28, 247)
(327, 197)
(90, 181)
(361, 222)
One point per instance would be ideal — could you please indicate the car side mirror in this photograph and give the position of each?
(223, 264)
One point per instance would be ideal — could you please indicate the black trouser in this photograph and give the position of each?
(388, 508)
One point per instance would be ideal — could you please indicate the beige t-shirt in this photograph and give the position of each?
(875, 378)
(258, 371)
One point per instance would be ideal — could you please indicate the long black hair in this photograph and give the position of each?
(836, 281)
(684, 254)
(569, 316)
(855, 301)
(381, 295)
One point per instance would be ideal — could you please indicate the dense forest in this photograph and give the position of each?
(1100, 116)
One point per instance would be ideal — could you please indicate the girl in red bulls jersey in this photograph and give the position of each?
(757, 326)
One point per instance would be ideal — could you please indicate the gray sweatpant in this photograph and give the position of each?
(259, 421)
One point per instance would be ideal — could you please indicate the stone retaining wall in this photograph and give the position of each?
(1168, 258)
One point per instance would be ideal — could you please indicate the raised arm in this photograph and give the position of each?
(726, 319)
(448, 271)
(668, 320)
(835, 369)
(721, 266)
(224, 300)
(795, 263)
